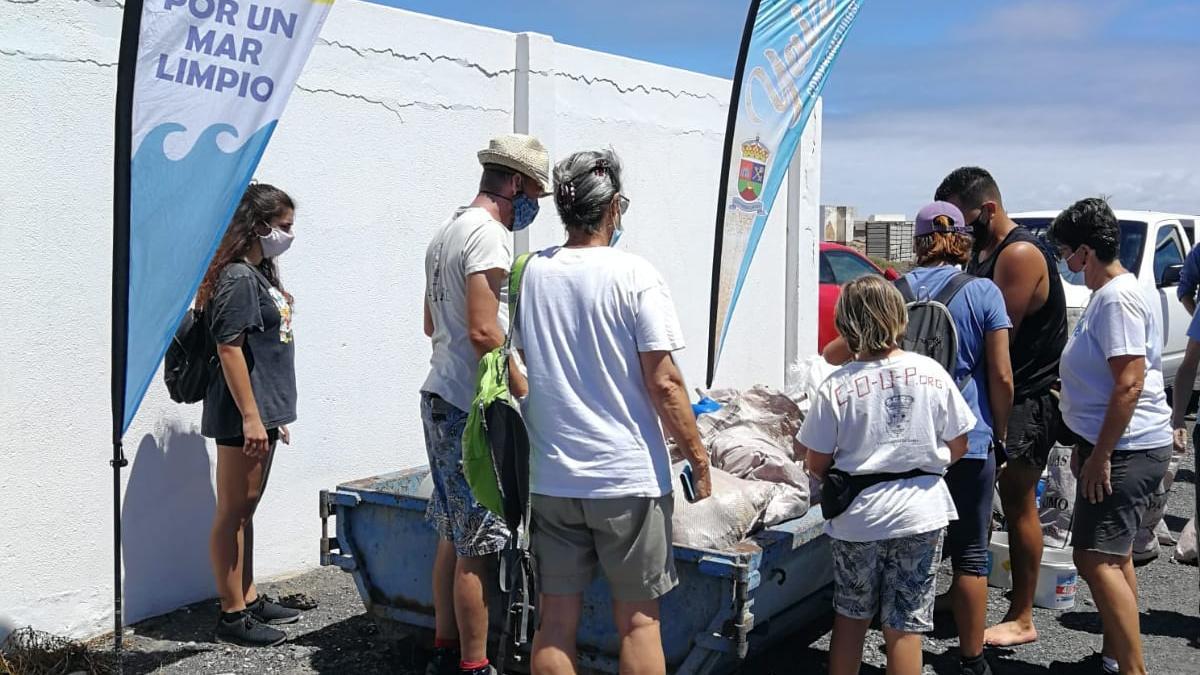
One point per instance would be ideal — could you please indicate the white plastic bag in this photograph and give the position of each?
(1186, 551)
(732, 513)
(1058, 499)
(809, 373)
(1149, 535)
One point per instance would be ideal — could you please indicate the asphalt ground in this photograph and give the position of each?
(337, 637)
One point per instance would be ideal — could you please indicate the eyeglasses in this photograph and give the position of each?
(622, 204)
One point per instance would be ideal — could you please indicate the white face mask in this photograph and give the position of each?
(276, 243)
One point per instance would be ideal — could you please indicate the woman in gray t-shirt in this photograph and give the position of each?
(250, 401)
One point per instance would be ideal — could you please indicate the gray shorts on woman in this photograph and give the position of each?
(629, 537)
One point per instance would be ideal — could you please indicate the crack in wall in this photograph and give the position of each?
(396, 107)
(51, 57)
(491, 74)
(431, 58)
(712, 133)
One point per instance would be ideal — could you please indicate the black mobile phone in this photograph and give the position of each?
(686, 481)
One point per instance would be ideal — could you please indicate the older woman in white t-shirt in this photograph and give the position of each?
(1114, 402)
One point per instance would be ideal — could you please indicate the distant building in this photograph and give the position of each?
(889, 237)
(838, 224)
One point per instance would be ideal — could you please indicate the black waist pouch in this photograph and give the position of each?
(839, 489)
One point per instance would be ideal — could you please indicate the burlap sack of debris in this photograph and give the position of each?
(733, 512)
(753, 436)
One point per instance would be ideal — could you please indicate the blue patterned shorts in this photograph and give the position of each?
(453, 511)
(894, 577)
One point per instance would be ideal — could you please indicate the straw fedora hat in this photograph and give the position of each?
(521, 153)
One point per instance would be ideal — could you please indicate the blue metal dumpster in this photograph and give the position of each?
(728, 605)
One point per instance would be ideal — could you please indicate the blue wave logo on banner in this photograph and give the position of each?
(177, 217)
(788, 49)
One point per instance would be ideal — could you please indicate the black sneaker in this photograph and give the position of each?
(978, 666)
(486, 670)
(444, 661)
(246, 631)
(267, 610)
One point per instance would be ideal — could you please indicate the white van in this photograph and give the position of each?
(1154, 246)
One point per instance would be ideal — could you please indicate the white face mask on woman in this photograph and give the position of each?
(276, 243)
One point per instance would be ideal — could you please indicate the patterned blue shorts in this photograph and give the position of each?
(453, 511)
(894, 577)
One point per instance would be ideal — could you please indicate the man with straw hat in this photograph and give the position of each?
(466, 316)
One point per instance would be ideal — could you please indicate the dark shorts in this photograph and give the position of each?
(1032, 429)
(894, 578)
(970, 482)
(1110, 526)
(240, 441)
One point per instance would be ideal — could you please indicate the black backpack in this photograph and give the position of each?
(191, 359)
(931, 328)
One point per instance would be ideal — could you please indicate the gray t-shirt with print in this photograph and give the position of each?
(244, 303)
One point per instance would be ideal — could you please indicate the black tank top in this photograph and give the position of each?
(1042, 337)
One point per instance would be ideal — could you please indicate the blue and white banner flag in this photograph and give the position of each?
(788, 49)
(201, 86)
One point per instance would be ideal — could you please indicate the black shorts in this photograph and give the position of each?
(1033, 429)
(240, 441)
(1109, 527)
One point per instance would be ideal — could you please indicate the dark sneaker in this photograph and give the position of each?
(443, 662)
(976, 666)
(486, 670)
(267, 610)
(246, 631)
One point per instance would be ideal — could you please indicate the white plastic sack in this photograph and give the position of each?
(1186, 551)
(753, 437)
(1148, 535)
(1058, 499)
(733, 512)
(808, 374)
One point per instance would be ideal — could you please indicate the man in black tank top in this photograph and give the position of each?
(1025, 271)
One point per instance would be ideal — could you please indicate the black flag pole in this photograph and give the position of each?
(730, 128)
(123, 144)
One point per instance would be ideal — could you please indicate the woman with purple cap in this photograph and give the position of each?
(942, 242)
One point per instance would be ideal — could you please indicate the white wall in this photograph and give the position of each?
(377, 146)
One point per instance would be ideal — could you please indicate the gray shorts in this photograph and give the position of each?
(1110, 526)
(895, 578)
(630, 538)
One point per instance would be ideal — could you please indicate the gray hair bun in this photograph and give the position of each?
(585, 184)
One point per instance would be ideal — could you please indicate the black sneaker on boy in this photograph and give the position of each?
(241, 628)
(267, 610)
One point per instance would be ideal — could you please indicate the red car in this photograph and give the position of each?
(840, 265)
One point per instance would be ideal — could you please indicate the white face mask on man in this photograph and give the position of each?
(276, 242)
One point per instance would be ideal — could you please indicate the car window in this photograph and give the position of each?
(847, 267)
(1133, 238)
(826, 270)
(1168, 251)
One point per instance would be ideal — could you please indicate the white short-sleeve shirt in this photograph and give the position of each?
(890, 416)
(585, 316)
(1117, 322)
(470, 241)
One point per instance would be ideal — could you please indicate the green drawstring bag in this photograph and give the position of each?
(495, 446)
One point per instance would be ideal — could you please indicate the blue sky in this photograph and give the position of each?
(1060, 99)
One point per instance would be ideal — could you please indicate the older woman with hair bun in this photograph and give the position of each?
(1114, 402)
(596, 328)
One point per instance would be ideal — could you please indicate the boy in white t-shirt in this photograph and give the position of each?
(887, 412)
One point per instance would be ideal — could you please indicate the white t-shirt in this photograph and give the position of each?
(470, 241)
(584, 317)
(1117, 322)
(890, 416)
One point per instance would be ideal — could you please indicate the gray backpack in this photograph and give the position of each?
(931, 329)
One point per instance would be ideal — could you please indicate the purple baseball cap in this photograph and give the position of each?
(929, 219)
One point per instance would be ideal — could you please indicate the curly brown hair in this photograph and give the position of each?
(261, 203)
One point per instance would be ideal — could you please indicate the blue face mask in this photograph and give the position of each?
(1068, 276)
(525, 209)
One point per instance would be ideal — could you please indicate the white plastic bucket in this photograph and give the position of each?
(999, 563)
(1057, 580)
